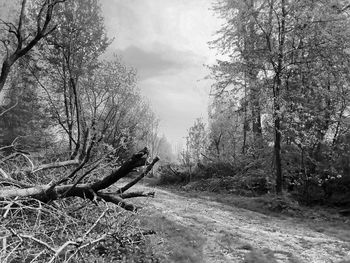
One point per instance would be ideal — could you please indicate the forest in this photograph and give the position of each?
(279, 119)
(77, 135)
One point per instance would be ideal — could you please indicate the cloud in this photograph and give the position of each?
(178, 100)
(160, 60)
(166, 41)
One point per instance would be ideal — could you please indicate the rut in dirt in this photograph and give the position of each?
(234, 234)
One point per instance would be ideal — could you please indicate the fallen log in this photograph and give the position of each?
(92, 191)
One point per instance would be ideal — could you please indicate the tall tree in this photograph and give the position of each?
(282, 46)
(197, 140)
(72, 54)
(20, 39)
(25, 121)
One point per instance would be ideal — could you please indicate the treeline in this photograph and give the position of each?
(280, 116)
(63, 95)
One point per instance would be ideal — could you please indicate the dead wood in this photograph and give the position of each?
(137, 194)
(136, 180)
(92, 191)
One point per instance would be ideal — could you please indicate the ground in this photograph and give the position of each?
(192, 229)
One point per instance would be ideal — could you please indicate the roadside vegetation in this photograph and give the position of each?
(72, 124)
(279, 122)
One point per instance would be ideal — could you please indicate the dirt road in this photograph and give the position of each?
(229, 233)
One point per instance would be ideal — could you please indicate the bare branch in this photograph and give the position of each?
(55, 165)
(7, 110)
(28, 159)
(137, 194)
(62, 248)
(21, 236)
(95, 224)
(136, 180)
(91, 242)
(20, 22)
(118, 201)
(53, 191)
(5, 175)
(20, 51)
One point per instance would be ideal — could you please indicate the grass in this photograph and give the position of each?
(173, 242)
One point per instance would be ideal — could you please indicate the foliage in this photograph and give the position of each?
(281, 94)
(26, 121)
(61, 91)
(196, 140)
(169, 174)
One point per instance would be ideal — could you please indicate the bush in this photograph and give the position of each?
(171, 175)
(218, 176)
(215, 169)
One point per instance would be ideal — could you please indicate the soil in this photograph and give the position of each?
(234, 234)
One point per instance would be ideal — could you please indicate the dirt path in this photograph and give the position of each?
(229, 233)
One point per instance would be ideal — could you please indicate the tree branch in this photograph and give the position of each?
(53, 191)
(136, 180)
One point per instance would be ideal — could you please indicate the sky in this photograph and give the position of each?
(167, 42)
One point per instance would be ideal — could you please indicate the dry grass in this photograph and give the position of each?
(175, 243)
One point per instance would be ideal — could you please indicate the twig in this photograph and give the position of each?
(4, 174)
(4, 244)
(12, 251)
(28, 159)
(79, 241)
(8, 207)
(11, 145)
(95, 224)
(21, 236)
(86, 245)
(10, 156)
(37, 256)
(7, 110)
(60, 250)
(81, 178)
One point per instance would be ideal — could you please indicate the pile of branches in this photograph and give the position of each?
(49, 209)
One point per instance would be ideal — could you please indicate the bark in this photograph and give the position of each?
(137, 194)
(92, 191)
(253, 64)
(138, 159)
(277, 107)
(136, 180)
(56, 165)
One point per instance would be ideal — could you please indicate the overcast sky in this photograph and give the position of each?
(166, 41)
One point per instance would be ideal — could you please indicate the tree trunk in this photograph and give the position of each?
(5, 71)
(252, 73)
(277, 106)
(277, 152)
(92, 191)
